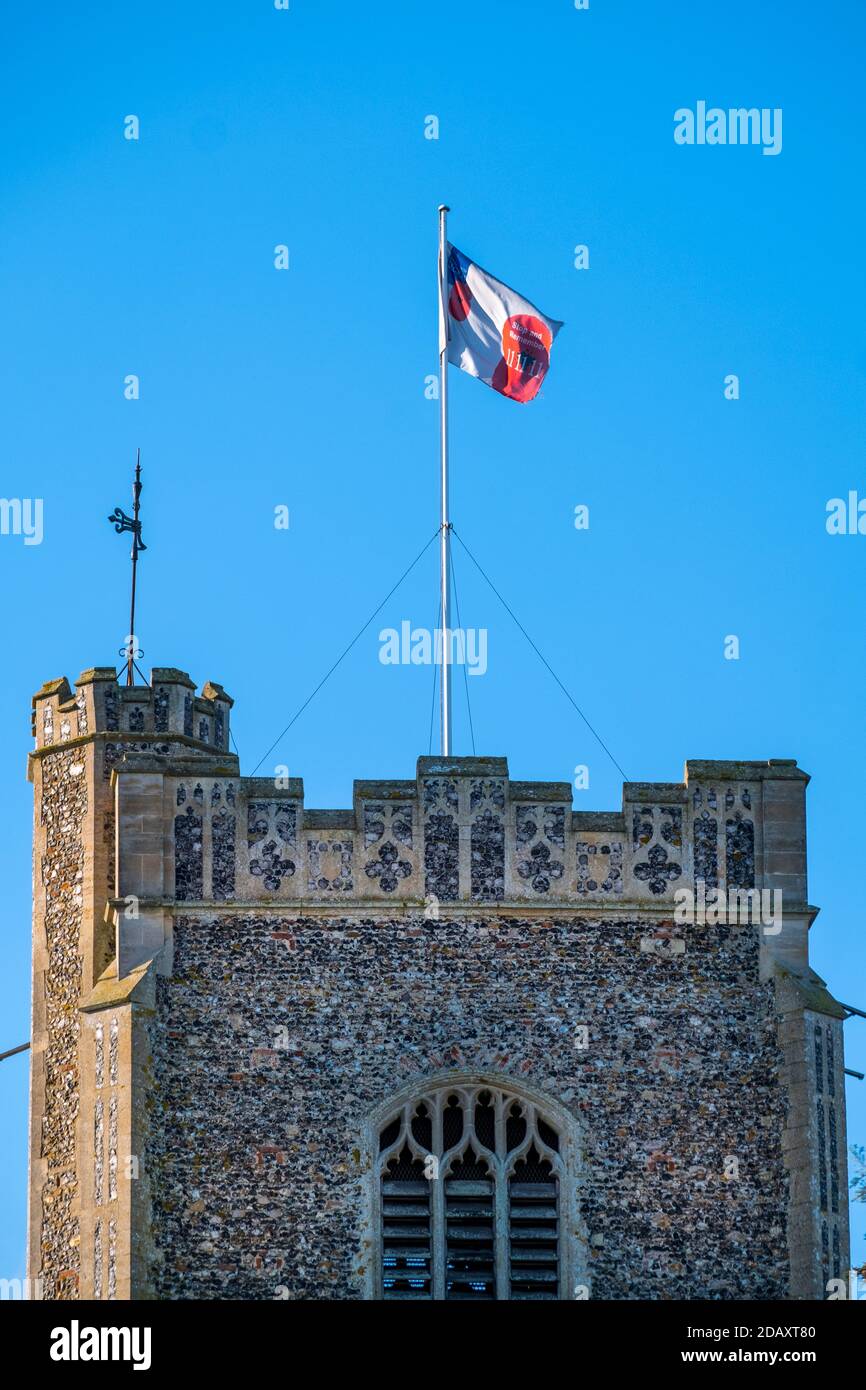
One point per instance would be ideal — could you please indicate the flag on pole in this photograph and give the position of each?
(491, 331)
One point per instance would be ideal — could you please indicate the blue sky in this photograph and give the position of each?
(306, 388)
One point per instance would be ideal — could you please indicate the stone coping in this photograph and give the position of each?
(744, 770)
(581, 909)
(224, 763)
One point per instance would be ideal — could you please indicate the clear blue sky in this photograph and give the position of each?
(306, 388)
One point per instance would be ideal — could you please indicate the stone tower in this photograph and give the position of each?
(454, 1042)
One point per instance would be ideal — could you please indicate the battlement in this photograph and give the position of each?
(190, 830)
(168, 707)
(460, 837)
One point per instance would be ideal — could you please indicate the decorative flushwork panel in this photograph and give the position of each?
(389, 860)
(330, 864)
(272, 843)
(112, 753)
(740, 851)
(539, 849)
(188, 845)
(384, 820)
(441, 839)
(98, 1150)
(829, 1121)
(97, 1261)
(599, 868)
(388, 869)
(223, 840)
(706, 848)
(657, 849)
(487, 839)
(104, 1139)
(112, 708)
(723, 835)
(205, 839)
(160, 710)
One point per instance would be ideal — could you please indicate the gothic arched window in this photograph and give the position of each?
(470, 1181)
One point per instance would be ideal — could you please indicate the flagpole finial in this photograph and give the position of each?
(443, 207)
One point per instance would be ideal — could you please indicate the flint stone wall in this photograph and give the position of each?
(277, 1036)
(57, 989)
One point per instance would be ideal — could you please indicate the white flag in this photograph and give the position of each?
(491, 331)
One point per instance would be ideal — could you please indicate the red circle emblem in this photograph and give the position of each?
(526, 343)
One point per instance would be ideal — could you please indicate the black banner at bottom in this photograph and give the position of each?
(280, 1338)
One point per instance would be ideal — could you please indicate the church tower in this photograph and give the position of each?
(457, 1041)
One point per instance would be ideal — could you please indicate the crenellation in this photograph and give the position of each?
(457, 836)
(100, 705)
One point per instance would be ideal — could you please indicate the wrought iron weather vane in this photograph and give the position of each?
(121, 523)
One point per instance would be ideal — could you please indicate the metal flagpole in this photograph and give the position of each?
(445, 533)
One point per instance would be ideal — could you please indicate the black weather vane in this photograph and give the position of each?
(121, 522)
